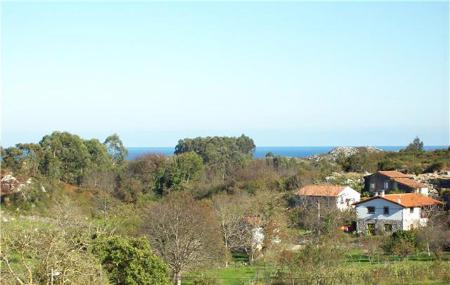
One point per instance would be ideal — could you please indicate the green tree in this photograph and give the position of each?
(99, 157)
(182, 169)
(130, 261)
(12, 158)
(143, 175)
(64, 154)
(116, 148)
(415, 146)
(222, 154)
(31, 156)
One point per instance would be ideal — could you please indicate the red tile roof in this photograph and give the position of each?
(327, 190)
(402, 178)
(406, 200)
(409, 182)
(393, 174)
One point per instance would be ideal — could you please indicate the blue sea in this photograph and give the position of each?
(260, 151)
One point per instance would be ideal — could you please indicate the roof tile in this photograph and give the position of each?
(393, 174)
(406, 200)
(327, 190)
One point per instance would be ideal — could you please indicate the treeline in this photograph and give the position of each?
(64, 156)
(201, 166)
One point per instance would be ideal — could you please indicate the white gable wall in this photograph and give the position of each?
(347, 198)
(395, 211)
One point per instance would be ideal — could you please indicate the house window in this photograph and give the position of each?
(372, 186)
(386, 210)
(371, 210)
(386, 185)
(411, 210)
(388, 228)
(371, 229)
(423, 214)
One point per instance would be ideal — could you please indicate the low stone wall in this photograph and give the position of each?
(362, 225)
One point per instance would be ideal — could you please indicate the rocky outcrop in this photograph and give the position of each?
(10, 185)
(344, 152)
(352, 179)
(435, 180)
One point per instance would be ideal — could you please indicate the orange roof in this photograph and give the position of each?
(409, 182)
(393, 174)
(321, 190)
(406, 200)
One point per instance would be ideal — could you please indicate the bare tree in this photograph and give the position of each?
(231, 211)
(184, 232)
(320, 216)
(47, 255)
(436, 234)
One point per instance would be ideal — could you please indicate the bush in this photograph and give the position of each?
(402, 243)
(435, 166)
(130, 261)
(205, 281)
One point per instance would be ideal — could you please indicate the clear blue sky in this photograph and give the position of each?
(286, 74)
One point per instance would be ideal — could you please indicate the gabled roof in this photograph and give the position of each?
(393, 174)
(322, 190)
(406, 200)
(409, 182)
(401, 178)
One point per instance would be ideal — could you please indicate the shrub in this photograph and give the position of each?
(130, 261)
(205, 281)
(402, 243)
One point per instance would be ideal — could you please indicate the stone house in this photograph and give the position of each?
(341, 197)
(389, 181)
(393, 212)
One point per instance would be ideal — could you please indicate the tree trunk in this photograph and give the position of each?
(226, 255)
(177, 278)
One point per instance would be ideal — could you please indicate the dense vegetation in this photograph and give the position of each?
(157, 219)
(412, 159)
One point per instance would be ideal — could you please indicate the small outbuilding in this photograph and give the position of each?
(341, 197)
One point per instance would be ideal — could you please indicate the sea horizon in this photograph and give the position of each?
(261, 151)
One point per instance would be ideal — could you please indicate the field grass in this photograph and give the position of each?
(247, 274)
(225, 276)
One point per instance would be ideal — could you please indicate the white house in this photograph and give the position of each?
(343, 197)
(393, 212)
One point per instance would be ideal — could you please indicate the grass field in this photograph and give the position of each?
(248, 274)
(225, 276)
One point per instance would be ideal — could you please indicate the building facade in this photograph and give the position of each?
(392, 181)
(393, 212)
(341, 197)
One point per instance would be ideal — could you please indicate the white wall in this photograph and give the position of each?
(395, 211)
(411, 220)
(346, 198)
(424, 191)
